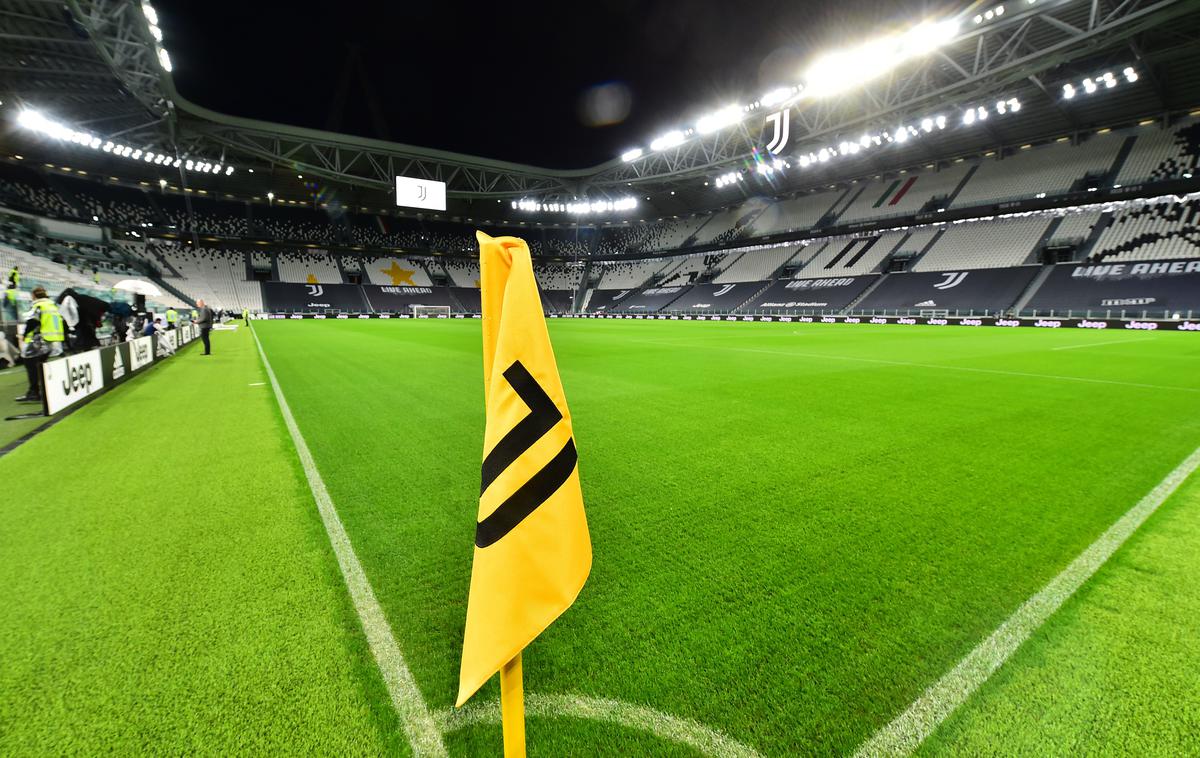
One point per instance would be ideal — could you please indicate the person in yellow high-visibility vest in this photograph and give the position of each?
(14, 277)
(172, 318)
(246, 316)
(42, 337)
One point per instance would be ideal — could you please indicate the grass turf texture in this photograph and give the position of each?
(167, 586)
(796, 528)
(796, 531)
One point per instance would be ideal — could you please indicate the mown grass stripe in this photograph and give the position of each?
(423, 734)
(908, 730)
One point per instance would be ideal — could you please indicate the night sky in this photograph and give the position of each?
(515, 81)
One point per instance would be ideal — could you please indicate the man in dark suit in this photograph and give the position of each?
(204, 320)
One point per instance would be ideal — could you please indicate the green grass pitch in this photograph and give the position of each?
(797, 528)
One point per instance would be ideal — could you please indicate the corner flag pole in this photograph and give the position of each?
(512, 708)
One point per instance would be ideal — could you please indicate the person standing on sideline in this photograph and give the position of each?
(41, 338)
(246, 316)
(172, 317)
(14, 277)
(204, 320)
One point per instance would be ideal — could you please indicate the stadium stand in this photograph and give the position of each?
(392, 272)
(756, 265)
(311, 267)
(1160, 154)
(851, 256)
(1050, 169)
(625, 275)
(1152, 232)
(985, 244)
(797, 213)
(555, 276)
(463, 273)
(905, 193)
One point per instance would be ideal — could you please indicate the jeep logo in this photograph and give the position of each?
(78, 378)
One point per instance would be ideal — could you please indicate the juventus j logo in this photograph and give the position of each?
(421, 191)
(723, 291)
(953, 279)
(620, 294)
(782, 121)
(315, 290)
(543, 415)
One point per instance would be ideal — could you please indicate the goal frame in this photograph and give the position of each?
(430, 311)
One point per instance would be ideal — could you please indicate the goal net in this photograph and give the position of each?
(431, 311)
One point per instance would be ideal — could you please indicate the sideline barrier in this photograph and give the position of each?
(71, 379)
(1182, 325)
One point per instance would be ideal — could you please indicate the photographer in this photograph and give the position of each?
(42, 338)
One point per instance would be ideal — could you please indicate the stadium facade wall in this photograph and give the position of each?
(991, 289)
(1155, 288)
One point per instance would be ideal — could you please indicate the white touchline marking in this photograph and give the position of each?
(695, 735)
(1001, 372)
(423, 734)
(257, 384)
(908, 730)
(1097, 344)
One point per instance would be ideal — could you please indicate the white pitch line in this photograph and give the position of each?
(257, 384)
(908, 730)
(662, 725)
(1097, 344)
(423, 734)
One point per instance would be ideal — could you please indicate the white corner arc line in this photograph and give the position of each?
(908, 730)
(423, 734)
(665, 726)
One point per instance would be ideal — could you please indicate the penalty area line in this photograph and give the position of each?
(908, 730)
(1098, 344)
(423, 733)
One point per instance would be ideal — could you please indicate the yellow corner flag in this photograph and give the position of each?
(532, 550)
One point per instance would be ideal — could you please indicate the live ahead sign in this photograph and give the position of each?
(69, 380)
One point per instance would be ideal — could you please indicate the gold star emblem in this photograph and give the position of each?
(399, 275)
(312, 279)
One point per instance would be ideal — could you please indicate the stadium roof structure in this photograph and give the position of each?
(100, 66)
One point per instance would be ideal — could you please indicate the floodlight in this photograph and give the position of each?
(1131, 76)
(108, 146)
(940, 121)
(228, 170)
(631, 155)
(1068, 91)
(164, 59)
(727, 116)
(668, 140)
(969, 117)
(927, 124)
(176, 163)
(1089, 86)
(156, 33)
(777, 96)
(901, 135)
(150, 13)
